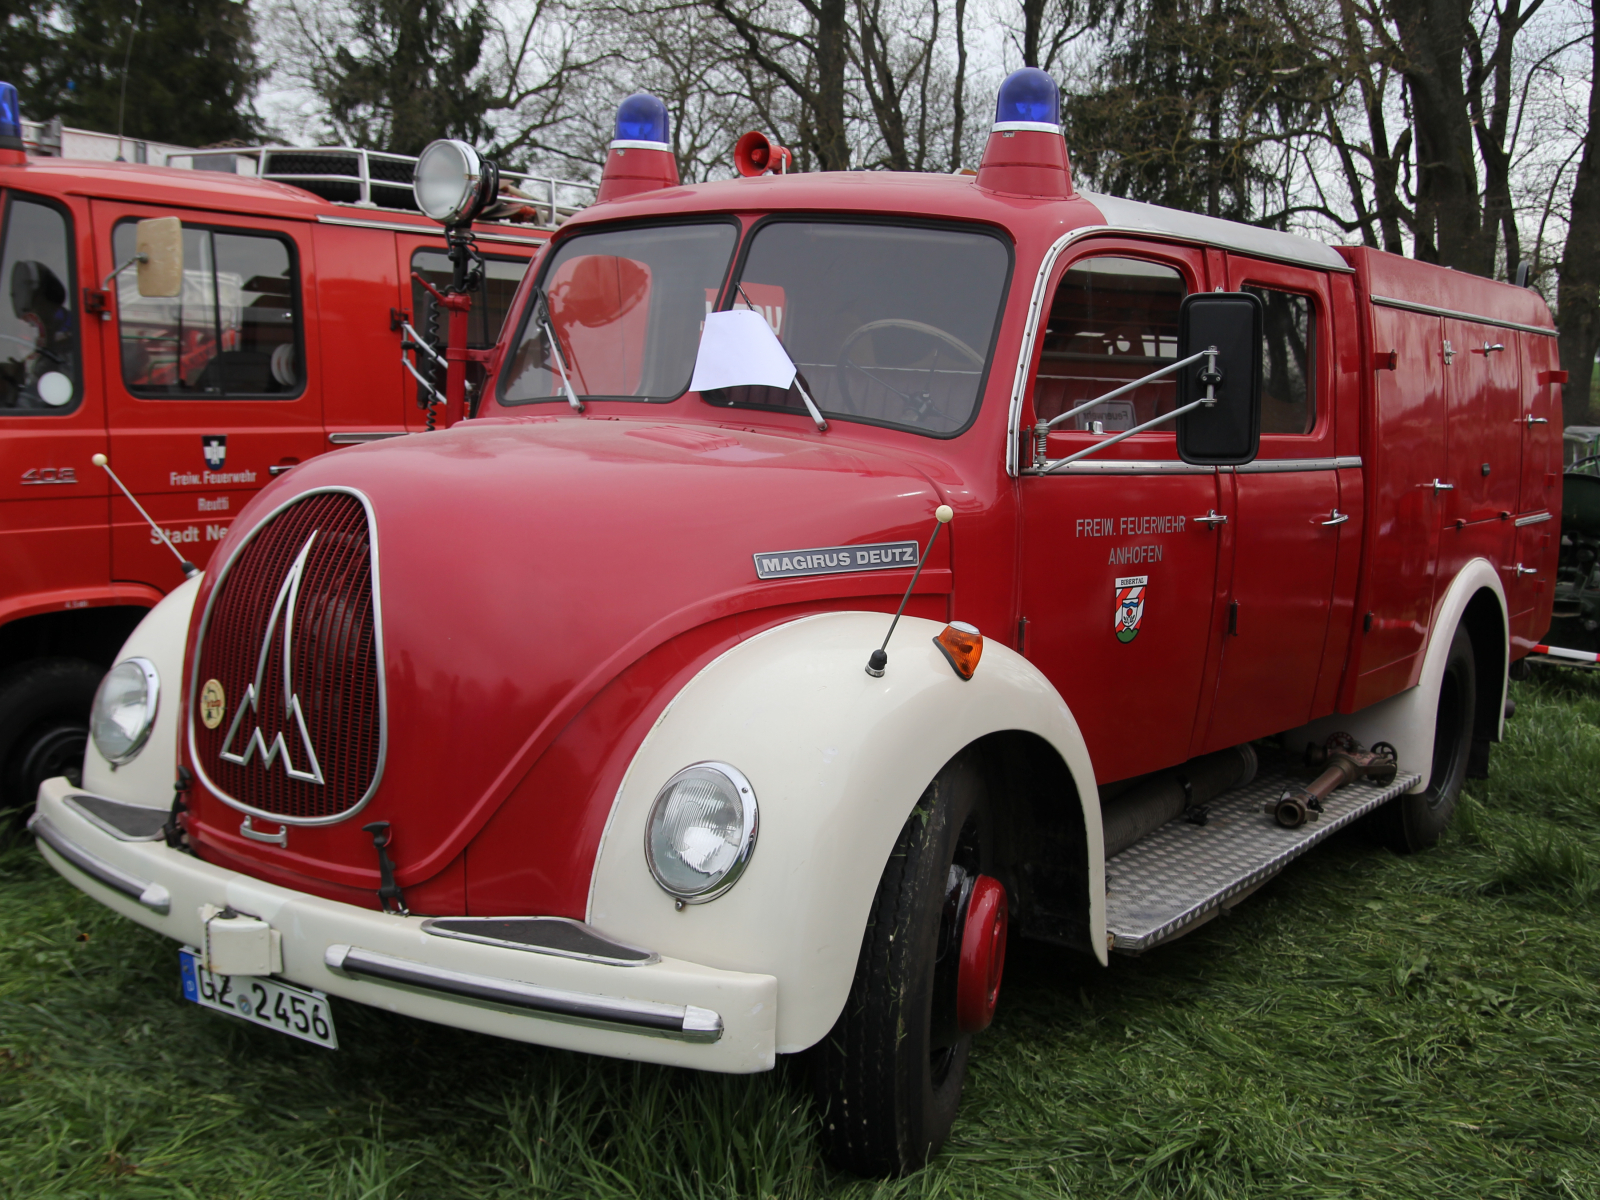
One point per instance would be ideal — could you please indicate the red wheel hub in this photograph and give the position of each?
(983, 955)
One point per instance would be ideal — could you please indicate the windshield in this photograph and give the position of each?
(888, 325)
(626, 307)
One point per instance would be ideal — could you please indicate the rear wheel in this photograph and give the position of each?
(1415, 822)
(889, 1075)
(44, 725)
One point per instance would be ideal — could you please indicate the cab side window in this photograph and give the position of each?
(1288, 360)
(1113, 320)
(233, 332)
(490, 303)
(38, 323)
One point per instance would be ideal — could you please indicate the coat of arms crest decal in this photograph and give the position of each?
(1130, 606)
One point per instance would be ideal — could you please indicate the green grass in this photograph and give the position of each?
(1367, 1025)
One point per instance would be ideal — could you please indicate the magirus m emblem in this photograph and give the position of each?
(283, 607)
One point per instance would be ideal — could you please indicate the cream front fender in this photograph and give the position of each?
(1407, 720)
(147, 778)
(837, 760)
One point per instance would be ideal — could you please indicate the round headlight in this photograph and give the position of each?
(701, 831)
(125, 709)
(448, 181)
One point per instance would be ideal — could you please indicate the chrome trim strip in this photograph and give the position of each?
(377, 648)
(431, 925)
(684, 1022)
(1276, 466)
(1125, 467)
(1434, 311)
(152, 895)
(424, 230)
(1261, 466)
(1532, 519)
(74, 802)
(360, 439)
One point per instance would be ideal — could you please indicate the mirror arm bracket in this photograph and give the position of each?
(136, 260)
(1210, 377)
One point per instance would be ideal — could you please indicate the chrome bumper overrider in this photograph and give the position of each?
(639, 1016)
(654, 1009)
(152, 895)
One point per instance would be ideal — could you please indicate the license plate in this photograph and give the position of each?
(300, 1012)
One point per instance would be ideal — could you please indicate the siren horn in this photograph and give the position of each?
(756, 154)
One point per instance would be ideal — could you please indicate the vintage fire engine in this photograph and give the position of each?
(648, 712)
(275, 339)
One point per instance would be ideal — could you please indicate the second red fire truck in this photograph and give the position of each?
(279, 339)
(845, 573)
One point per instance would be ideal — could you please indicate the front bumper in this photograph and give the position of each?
(663, 1010)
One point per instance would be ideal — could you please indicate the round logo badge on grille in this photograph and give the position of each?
(213, 703)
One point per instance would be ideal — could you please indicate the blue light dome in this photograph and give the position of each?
(1028, 97)
(643, 118)
(10, 112)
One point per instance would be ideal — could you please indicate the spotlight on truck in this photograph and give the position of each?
(453, 184)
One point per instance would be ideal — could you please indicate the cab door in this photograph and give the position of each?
(53, 542)
(1120, 549)
(1288, 525)
(209, 394)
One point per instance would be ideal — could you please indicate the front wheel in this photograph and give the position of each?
(44, 725)
(1415, 822)
(889, 1074)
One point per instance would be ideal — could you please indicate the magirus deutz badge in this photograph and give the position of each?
(1130, 606)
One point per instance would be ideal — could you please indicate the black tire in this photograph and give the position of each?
(1411, 823)
(44, 725)
(888, 1076)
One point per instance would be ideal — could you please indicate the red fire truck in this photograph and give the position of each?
(843, 571)
(282, 342)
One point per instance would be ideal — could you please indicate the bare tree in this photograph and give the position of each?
(1578, 297)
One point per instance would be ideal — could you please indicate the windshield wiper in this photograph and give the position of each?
(541, 314)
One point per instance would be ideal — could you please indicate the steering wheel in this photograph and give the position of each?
(917, 403)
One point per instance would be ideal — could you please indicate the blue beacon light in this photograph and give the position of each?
(1028, 99)
(10, 117)
(642, 122)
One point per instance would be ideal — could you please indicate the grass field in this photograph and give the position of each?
(1366, 1025)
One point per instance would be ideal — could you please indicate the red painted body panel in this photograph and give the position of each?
(71, 538)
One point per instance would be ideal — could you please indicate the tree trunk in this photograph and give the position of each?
(1578, 297)
(833, 58)
(959, 98)
(1449, 230)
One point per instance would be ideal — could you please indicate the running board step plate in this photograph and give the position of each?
(1182, 874)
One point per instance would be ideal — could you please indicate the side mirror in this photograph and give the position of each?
(158, 244)
(1227, 433)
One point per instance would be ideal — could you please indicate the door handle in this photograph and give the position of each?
(1213, 517)
(1530, 419)
(279, 468)
(1440, 487)
(1488, 349)
(1519, 569)
(1337, 518)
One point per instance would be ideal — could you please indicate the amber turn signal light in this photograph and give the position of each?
(962, 644)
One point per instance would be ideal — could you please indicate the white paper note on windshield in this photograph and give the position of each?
(739, 349)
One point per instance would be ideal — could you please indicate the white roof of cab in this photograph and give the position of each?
(1210, 231)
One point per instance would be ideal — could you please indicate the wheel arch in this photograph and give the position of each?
(1475, 600)
(838, 761)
